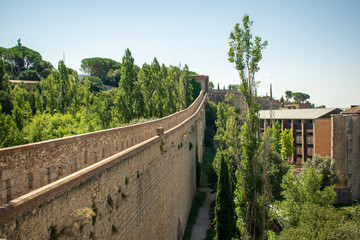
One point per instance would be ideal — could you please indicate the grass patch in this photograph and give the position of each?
(196, 205)
(208, 175)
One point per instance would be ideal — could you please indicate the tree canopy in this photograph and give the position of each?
(61, 104)
(300, 97)
(103, 68)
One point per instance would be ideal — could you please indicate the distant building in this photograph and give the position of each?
(28, 83)
(297, 106)
(203, 80)
(345, 141)
(311, 129)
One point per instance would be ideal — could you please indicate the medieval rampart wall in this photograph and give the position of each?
(219, 96)
(143, 192)
(28, 167)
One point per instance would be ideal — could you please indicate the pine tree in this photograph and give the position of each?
(224, 209)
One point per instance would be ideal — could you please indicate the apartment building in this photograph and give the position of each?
(345, 140)
(311, 129)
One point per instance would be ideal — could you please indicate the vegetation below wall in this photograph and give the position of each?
(62, 104)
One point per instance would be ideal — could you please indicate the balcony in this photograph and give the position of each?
(298, 151)
(309, 127)
(309, 140)
(309, 151)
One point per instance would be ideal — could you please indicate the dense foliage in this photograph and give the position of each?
(271, 200)
(224, 210)
(62, 104)
(326, 167)
(298, 97)
(22, 62)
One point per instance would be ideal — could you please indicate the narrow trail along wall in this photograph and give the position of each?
(143, 192)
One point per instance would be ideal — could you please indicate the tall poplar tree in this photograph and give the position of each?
(245, 54)
(127, 84)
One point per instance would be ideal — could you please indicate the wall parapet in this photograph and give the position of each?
(25, 168)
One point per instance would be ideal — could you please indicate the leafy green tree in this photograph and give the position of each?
(127, 84)
(288, 95)
(19, 96)
(103, 68)
(9, 133)
(234, 87)
(63, 81)
(29, 75)
(298, 192)
(39, 102)
(211, 85)
(44, 68)
(96, 85)
(282, 101)
(185, 88)
(57, 90)
(196, 86)
(19, 58)
(322, 222)
(103, 103)
(276, 167)
(227, 135)
(224, 209)
(245, 54)
(275, 136)
(300, 97)
(4, 81)
(6, 102)
(324, 166)
(172, 87)
(286, 142)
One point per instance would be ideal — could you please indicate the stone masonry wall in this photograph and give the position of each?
(219, 96)
(28, 167)
(345, 141)
(144, 192)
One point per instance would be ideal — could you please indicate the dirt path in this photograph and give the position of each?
(203, 222)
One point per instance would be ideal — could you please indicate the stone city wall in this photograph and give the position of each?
(219, 96)
(143, 192)
(28, 167)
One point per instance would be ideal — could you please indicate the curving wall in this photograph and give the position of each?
(143, 192)
(28, 167)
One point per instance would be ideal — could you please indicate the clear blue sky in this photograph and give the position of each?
(314, 46)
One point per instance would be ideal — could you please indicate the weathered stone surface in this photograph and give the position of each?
(144, 192)
(219, 96)
(51, 160)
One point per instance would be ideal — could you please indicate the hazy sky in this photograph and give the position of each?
(314, 45)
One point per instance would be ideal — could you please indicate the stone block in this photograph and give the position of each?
(6, 174)
(3, 194)
(53, 175)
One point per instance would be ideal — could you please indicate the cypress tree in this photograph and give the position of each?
(224, 209)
